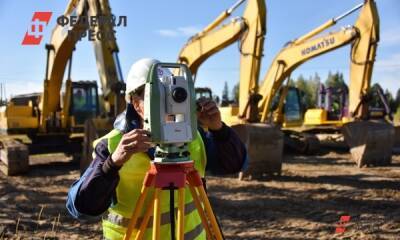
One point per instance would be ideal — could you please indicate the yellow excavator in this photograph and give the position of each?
(54, 120)
(370, 141)
(264, 142)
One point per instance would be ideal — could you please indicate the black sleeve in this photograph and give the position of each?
(226, 153)
(97, 190)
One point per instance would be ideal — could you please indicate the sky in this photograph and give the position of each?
(159, 29)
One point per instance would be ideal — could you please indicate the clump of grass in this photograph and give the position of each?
(17, 225)
(39, 216)
(49, 234)
(55, 225)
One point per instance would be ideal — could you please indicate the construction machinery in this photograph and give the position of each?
(370, 141)
(264, 142)
(54, 120)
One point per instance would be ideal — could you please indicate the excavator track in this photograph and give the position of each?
(264, 145)
(370, 143)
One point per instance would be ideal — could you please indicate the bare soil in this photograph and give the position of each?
(306, 202)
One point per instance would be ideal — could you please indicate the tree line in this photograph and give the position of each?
(310, 88)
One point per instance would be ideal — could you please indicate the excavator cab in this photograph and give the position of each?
(203, 92)
(288, 107)
(293, 108)
(85, 101)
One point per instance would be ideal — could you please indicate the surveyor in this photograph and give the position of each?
(111, 184)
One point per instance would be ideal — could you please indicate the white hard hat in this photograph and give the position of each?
(138, 74)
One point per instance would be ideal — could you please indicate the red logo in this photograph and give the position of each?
(341, 227)
(34, 34)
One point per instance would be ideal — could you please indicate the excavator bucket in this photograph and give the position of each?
(264, 145)
(370, 142)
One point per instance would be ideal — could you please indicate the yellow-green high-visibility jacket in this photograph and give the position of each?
(128, 189)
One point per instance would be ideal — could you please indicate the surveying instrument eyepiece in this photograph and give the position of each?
(170, 117)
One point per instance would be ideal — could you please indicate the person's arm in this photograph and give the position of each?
(226, 154)
(93, 193)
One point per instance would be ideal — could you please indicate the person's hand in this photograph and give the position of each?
(135, 141)
(208, 114)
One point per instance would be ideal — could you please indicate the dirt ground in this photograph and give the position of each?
(306, 202)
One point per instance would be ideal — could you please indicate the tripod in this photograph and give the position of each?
(173, 176)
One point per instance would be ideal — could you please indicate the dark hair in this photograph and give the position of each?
(138, 91)
(132, 118)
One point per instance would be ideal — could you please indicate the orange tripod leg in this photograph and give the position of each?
(157, 214)
(145, 222)
(200, 210)
(210, 213)
(136, 212)
(181, 213)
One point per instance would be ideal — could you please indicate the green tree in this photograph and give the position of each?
(335, 80)
(303, 85)
(397, 99)
(390, 100)
(314, 83)
(225, 95)
(235, 93)
(309, 89)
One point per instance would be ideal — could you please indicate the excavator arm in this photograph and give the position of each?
(249, 30)
(60, 51)
(293, 56)
(363, 36)
(363, 52)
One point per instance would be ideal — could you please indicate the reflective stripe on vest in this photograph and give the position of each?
(128, 190)
(191, 235)
(165, 218)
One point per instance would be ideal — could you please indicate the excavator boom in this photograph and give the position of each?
(363, 137)
(265, 143)
(60, 51)
(292, 56)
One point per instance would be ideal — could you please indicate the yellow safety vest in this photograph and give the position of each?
(128, 189)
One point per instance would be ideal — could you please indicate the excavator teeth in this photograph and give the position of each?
(370, 143)
(264, 145)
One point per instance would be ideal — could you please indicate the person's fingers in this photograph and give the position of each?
(208, 105)
(146, 145)
(137, 144)
(213, 111)
(137, 131)
(201, 100)
(136, 137)
(138, 148)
